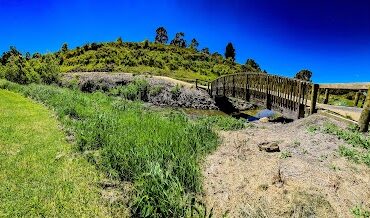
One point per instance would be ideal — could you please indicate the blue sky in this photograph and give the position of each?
(329, 37)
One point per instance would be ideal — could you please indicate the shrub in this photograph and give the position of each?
(155, 90)
(176, 91)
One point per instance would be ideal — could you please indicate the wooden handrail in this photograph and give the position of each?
(349, 86)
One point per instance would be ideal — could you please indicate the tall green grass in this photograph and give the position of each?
(159, 155)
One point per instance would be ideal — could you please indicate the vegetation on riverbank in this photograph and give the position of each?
(158, 153)
(360, 150)
(40, 176)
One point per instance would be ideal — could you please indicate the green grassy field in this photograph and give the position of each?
(39, 173)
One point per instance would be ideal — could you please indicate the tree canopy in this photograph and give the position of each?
(179, 40)
(304, 75)
(230, 51)
(161, 35)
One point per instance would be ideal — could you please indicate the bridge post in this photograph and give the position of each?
(247, 95)
(268, 96)
(301, 106)
(365, 115)
(224, 86)
(315, 89)
(357, 98)
(326, 99)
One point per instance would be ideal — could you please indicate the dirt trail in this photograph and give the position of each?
(242, 181)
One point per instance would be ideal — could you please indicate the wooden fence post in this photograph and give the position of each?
(365, 114)
(196, 83)
(315, 89)
(357, 98)
(326, 99)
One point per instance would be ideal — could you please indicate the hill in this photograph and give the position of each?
(131, 57)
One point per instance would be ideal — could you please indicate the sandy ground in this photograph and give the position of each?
(242, 181)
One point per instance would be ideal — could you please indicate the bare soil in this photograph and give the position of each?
(307, 178)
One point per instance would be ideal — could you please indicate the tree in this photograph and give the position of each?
(205, 50)
(304, 75)
(13, 52)
(161, 35)
(28, 56)
(179, 40)
(64, 48)
(251, 65)
(119, 41)
(230, 51)
(194, 44)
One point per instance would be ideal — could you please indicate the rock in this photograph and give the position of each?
(264, 120)
(269, 146)
(265, 113)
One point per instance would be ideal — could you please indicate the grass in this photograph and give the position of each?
(360, 150)
(158, 154)
(39, 174)
(285, 154)
(360, 212)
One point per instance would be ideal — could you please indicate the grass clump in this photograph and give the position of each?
(158, 155)
(360, 212)
(222, 122)
(360, 152)
(285, 154)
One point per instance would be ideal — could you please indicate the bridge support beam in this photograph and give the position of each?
(365, 115)
(326, 99)
(357, 98)
(314, 91)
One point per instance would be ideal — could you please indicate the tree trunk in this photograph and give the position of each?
(365, 115)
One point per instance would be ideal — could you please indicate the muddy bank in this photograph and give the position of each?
(168, 92)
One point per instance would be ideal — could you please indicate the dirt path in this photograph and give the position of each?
(242, 181)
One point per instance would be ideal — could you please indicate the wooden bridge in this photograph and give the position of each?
(286, 95)
(292, 97)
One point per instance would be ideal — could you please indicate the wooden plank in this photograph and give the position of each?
(351, 86)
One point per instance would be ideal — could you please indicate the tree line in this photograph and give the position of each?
(160, 56)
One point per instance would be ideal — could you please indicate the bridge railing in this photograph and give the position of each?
(287, 95)
(361, 88)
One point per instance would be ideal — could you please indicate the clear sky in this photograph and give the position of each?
(329, 37)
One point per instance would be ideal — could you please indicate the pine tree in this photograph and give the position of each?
(161, 35)
(230, 51)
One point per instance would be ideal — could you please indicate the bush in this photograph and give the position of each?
(20, 71)
(176, 91)
(136, 90)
